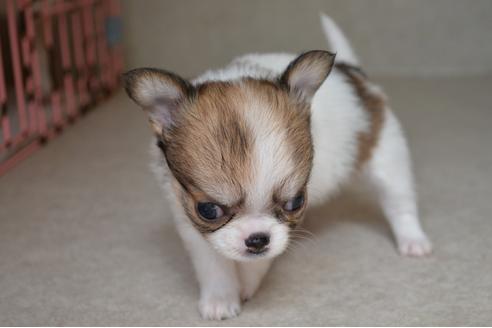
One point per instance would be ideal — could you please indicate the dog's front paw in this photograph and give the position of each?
(414, 246)
(219, 307)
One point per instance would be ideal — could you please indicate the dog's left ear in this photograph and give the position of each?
(306, 73)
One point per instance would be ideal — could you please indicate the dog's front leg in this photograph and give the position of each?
(217, 276)
(250, 275)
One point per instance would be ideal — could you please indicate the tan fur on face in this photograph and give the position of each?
(210, 145)
(211, 150)
(190, 197)
(374, 104)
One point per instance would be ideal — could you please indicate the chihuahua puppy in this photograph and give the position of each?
(242, 151)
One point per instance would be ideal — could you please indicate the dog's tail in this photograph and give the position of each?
(337, 41)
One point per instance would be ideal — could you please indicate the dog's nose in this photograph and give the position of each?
(257, 241)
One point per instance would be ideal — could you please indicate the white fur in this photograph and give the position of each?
(270, 154)
(390, 173)
(229, 240)
(337, 41)
(337, 119)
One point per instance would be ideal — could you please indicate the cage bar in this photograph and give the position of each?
(57, 59)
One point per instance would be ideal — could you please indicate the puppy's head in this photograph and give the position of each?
(240, 152)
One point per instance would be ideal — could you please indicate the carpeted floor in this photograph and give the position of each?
(85, 236)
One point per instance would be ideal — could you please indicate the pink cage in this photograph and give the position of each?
(58, 58)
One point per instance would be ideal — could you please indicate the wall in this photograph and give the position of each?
(398, 37)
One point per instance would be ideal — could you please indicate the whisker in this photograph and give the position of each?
(299, 246)
(301, 230)
(303, 238)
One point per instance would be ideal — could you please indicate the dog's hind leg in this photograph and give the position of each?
(389, 171)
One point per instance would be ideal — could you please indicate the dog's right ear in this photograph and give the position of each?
(159, 93)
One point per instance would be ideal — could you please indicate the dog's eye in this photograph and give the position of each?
(295, 203)
(209, 211)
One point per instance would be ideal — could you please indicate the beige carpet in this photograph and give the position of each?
(85, 237)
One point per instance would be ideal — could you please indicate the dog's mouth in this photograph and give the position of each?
(252, 252)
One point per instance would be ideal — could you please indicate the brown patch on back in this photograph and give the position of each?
(374, 105)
